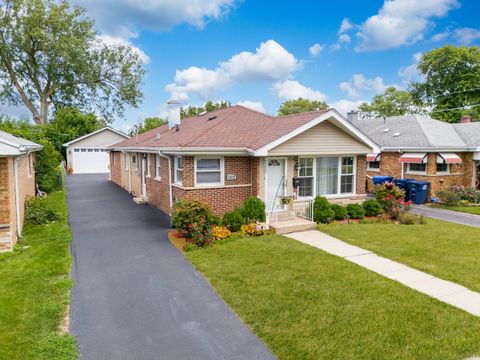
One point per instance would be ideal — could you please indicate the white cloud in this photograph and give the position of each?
(254, 105)
(125, 128)
(315, 49)
(440, 36)
(156, 15)
(401, 22)
(117, 41)
(410, 72)
(359, 82)
(270, 62)
(344, 39)
(291, 89)
(466, 36)
(344, 106)
(345, 26)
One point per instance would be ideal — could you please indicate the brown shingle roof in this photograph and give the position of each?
(233, 127)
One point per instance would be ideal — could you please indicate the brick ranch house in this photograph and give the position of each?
(422, 148)
(224, 156)
(17, 182)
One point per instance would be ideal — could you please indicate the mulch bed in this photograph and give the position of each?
(177, 240)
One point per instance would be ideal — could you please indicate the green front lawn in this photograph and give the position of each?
(34, 292)
(447, 250)
(306, 304)
(475, 210)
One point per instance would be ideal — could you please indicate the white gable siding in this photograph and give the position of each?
(324, 138)
(102, 139)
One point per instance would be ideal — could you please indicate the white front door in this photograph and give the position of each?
(276, 184)
(144, 174)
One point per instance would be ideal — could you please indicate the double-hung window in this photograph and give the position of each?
(346, 175)
(415, 168)
(305, 175)
(157, 167)
(443, 168)
(335, 175)
(208, 171)
(178, 167)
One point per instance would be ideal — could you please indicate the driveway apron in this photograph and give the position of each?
(135, 296)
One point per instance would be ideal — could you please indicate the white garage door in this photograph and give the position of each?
(90, 161)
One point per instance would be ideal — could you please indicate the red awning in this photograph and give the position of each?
(373, 157)
(414, 158)
(448, 158)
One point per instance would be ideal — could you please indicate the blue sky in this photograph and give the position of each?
(265, 52)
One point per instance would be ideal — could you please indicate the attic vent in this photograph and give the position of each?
(177, 127)
(202, 113)
(396, 135)
(157, 136)
(386, 130)
(212, 117)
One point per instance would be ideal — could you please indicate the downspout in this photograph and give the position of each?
(17, 197)
(169, 177)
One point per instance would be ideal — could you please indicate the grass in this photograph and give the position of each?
(447, 250)
(34, 291)
(306, 304)
(475, 210)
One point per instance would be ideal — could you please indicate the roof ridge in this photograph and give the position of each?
(303, 113)
(424, 131)
(253, 110)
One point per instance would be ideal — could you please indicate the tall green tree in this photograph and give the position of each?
(50, 54)
(300, 105)
(148, 123)
(209, 106)
(392, 102)
(451, 82)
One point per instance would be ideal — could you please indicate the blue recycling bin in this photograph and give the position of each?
(379, 180)
(418, 191)
(403, 185)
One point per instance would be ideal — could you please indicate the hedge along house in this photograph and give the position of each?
(422, 148)
(224, 156)
(17, 182)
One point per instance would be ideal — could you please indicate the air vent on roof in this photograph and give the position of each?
(386, 130)
(396, 135)
(212, 117)
(157, 136)
(202, 113)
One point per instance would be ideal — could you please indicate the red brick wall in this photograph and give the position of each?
(115, 167)
(361, 174)
(4, 192)
(158, 189)
(255, 176)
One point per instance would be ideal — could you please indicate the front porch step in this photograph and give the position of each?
(140, 200)
(293, 225)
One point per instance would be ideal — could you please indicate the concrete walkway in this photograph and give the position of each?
(448, 215)
(446, 291)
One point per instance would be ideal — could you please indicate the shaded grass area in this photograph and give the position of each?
(447, 250)
(34, 291)
(474, 210)
(306, 304)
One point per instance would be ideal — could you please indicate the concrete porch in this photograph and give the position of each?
(296, 218)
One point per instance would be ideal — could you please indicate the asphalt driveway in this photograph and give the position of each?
(135, 296)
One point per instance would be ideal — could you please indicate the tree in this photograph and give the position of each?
(50, 54)
(451, 82)
(209, 106)
(392, 102)
(148, 124)
(301, 105)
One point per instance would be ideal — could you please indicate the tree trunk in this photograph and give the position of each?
(42, 118)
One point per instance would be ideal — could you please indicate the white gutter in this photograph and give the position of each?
(428, 149)
(17, 197)
(169, 177)
(186, 151)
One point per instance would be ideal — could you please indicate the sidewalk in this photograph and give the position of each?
(446, 291)
(448, 215)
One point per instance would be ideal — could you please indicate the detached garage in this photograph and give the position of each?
(88, 154)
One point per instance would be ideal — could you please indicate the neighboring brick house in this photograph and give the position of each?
(224, 156)
(17, 182)
(422, 148)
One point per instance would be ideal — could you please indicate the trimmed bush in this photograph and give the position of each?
(339, 211)
(233, 220)
(386, 193)
(253, 209)
(372, 207)
(355, 211)
(38, 211)
(322, 211)
(192, 217)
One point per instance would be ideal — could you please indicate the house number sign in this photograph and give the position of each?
(231, 177)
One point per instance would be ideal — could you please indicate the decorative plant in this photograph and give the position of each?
(355, 211)
(286, 200)
(385, 192)
(220, 232)
(322, 211)
(253, 209)
(194, 218)
(449, 197)
(372, 207)
(38, 211)
(339, 211)
(233, 220)
(252, 229)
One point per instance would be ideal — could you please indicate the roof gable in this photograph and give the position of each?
(107, 128)
(15, 145)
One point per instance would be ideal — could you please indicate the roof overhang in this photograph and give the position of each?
(414, 158)
(96, 132)
(8, 148)
(186, 151)
(331, 115)
(428, 149)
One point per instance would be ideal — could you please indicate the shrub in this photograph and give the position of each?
(192, 217)
(253, 209)
(38, 211)
(220, 232)
(46, 167)
(387, 192)
(469, 194)
(410, 218)
(233, 220)
(355, 211)
(340, 213)
(449, 197)
(372, 207)
(201, 233)
(251, 230)
(322, 211)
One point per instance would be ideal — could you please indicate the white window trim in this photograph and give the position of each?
(158, 164)
(222, 171)
(448, 172)
(354, 174)
(373, 169)
(175, 170)
(314, 172)
(127, 162)
(416, 172)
